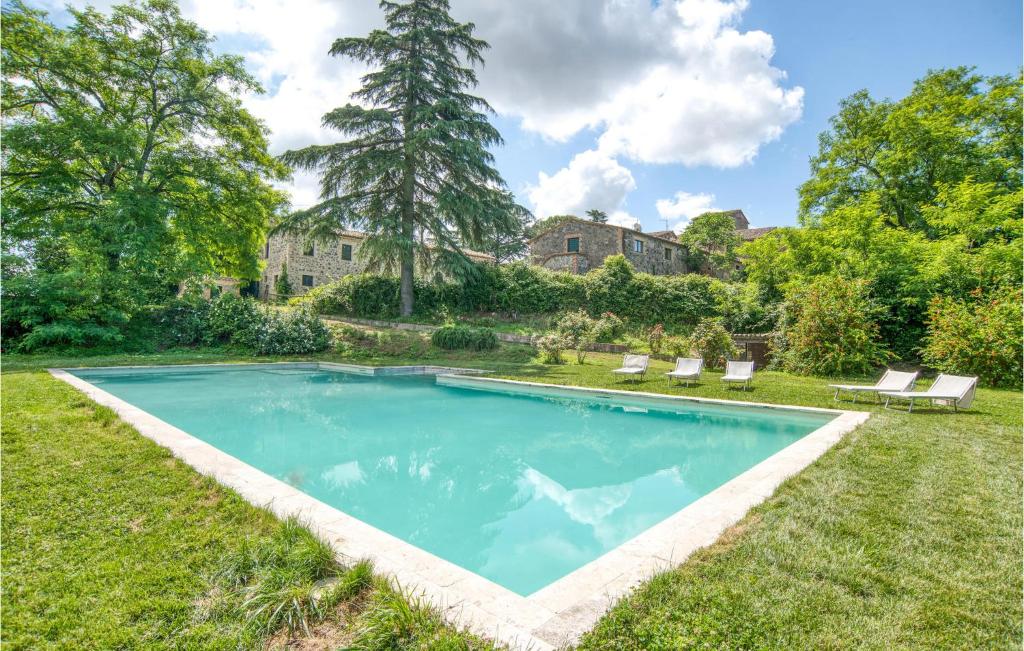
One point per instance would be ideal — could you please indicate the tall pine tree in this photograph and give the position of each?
(415, 174)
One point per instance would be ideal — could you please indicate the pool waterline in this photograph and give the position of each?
(542, 488)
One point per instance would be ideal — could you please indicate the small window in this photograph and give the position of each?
(266, 249)
(308, 250)
(572, 245)
(307, 281)
(215, 291)
(638, 246)
(668, 253)
(346, 251)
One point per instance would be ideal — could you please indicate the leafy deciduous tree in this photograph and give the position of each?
(711, 242)
(129, 164)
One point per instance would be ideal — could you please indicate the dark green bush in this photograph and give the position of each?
(184, 320)
(228, 316)
(234, 320)
(459, 337)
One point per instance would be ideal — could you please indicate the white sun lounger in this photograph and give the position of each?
(635, 365)
(950, 390)
(891, 381)
(687, 369)
(739, 372)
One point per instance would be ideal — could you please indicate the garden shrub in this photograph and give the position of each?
(295, 332)
(460, 337)
(609, 328)
(713, 343)
(283, 286)
(677, 346)
(551, 347)
(655, 336)
(577, 330)
(982, 338)
(184, 320)
(235, 320)
(829, 329)
(228, 317)
(74, 308)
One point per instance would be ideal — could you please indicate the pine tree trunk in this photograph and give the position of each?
(408, 226)
(408, 261)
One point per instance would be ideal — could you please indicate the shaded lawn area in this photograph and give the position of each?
(907, 533)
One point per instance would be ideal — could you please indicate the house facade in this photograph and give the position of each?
(312, 264)
(578, 246)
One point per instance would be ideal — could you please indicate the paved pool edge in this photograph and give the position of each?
(551, 617)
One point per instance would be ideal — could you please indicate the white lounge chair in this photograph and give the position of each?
(739, 372)
(891, 381)
(687, 369)
(950, 390)
(635, 365)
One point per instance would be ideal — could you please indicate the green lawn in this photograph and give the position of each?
(906, 534)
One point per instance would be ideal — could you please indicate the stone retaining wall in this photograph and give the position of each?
(507, 337)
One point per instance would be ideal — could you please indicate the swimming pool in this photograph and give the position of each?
(521, 484)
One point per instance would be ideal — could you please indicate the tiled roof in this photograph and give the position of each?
(748, 234)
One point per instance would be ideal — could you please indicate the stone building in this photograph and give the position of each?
(313, 264)
(578, 246)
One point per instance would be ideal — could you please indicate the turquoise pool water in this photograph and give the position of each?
(519, 489)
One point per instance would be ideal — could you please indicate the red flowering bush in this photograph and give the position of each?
(981, 338)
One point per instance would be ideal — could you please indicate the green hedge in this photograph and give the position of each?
(520, 289)
(242, 322)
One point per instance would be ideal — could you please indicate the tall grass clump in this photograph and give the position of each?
(459, 337)
(289, 581)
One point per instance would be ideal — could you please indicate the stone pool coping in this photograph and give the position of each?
(555, 615)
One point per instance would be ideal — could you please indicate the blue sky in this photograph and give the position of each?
(652, 112)
(831, 49)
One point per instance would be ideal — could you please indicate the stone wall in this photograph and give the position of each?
(597, 242)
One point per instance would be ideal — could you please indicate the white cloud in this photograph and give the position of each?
(683, 207)
(676, 82)
(591, 180)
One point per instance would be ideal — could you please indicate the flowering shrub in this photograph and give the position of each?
(296, 332)
(982, 339)
(712, 342)
(230, 319)
(551, 347)
(227, 316)
(577, 330)
(828, 329)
